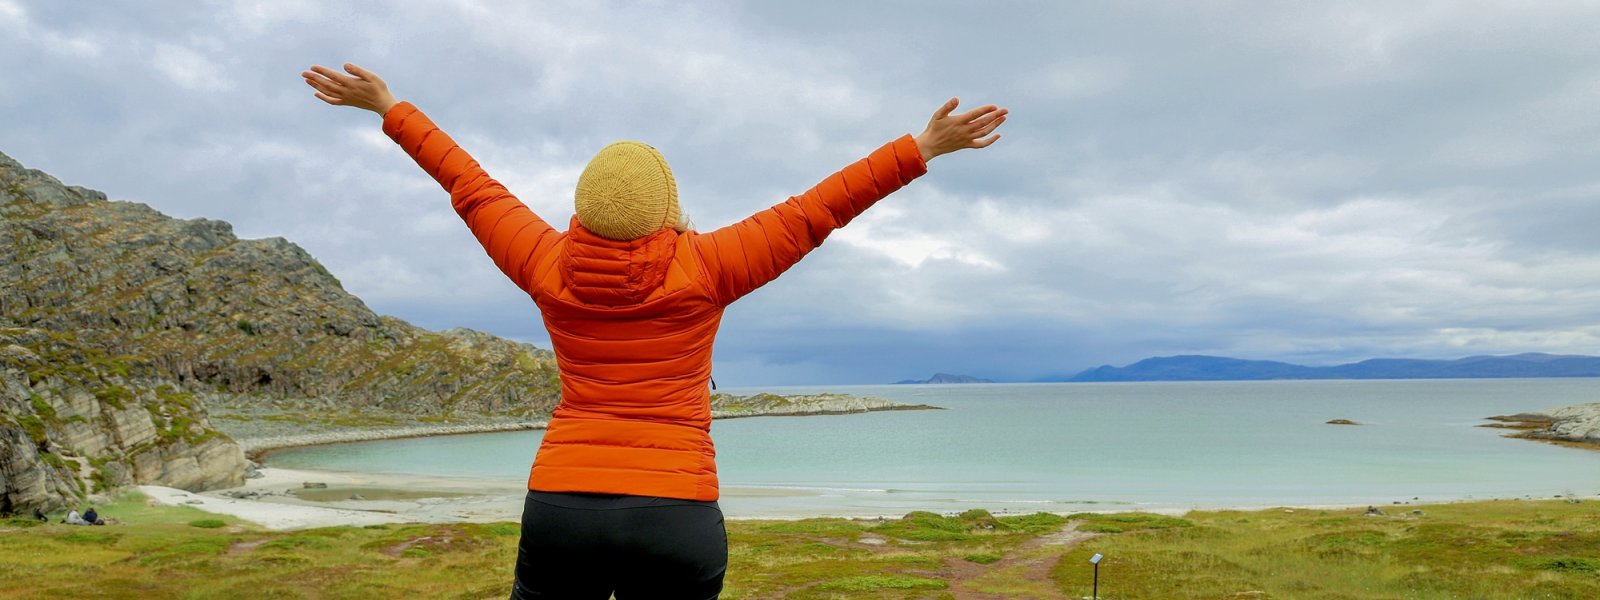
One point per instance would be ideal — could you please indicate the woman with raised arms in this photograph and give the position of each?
(622, 496)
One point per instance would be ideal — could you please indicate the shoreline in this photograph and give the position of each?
(284, 499)
(720, 415)
(257, 447)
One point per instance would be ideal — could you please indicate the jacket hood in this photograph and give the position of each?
(615, 272)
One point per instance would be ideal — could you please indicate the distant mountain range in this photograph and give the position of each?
(1220, 368)
(946, 378)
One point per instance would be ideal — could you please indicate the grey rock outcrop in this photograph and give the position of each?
(1580, 423)
(75, 422)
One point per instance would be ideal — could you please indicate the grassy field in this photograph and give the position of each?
(1501, 549)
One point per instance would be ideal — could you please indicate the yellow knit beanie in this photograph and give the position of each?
(627, 192)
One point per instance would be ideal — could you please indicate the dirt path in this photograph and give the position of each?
(1022, 573)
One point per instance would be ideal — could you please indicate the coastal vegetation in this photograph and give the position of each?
(1494, 549)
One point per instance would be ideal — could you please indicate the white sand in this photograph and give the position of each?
(267, 514)
(393, 499)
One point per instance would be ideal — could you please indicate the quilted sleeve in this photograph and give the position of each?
(510, 232)
(746, 255)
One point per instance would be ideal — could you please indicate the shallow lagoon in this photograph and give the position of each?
(1069, 447)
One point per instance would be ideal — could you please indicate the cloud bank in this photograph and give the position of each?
(1315, 184)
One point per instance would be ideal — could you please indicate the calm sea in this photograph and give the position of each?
(1068, 447)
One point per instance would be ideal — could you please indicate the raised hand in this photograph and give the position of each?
(361, 88)
(948, 133)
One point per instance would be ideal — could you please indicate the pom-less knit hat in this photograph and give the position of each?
(627, 192)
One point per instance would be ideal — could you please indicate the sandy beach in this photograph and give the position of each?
(279, 499)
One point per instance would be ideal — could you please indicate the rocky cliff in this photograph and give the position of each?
(81, 421)
(116, 319)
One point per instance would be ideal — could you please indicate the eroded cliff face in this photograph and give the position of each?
(118, 325)
(83, 422)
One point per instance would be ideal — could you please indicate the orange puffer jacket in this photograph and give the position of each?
(633, 322)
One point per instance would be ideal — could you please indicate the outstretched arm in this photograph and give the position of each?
(748, 254)
(510, 232)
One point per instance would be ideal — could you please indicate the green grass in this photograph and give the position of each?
(1505, 549)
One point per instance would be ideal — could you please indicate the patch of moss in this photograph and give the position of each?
(1120, 522)
(42, 407)
(296, 542)
(115, 396)
(19, 522)
(1361, 542)
(868, 583)
(113, 366)
(1564, 564)
(834, 527)
(35, 428)
(173, 397)
(51, 459)
(502, 529)
(925, 526)
(101, 479)
(1035, 523)
(177, 428)
(207, 523)
(190, 552)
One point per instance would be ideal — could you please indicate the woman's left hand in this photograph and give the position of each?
(361, 89)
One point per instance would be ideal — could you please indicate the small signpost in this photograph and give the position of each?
(1095, 560)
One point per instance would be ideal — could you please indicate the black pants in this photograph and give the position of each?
(584, 546)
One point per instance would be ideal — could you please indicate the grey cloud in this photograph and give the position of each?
(1314, 183)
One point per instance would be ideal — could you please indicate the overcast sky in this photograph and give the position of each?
(1310, 182)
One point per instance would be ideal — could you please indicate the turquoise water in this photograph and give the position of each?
(1061, 447)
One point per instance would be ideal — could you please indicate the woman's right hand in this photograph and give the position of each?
(362, 88)
(971, 129)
